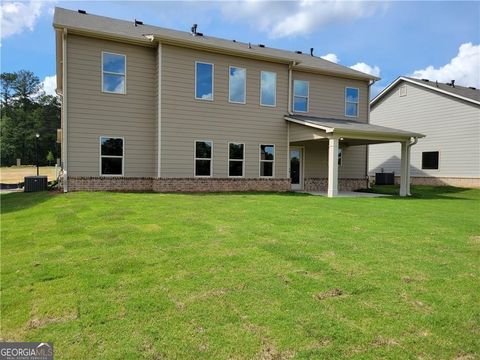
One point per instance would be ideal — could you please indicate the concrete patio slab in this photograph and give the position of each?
(346, 194)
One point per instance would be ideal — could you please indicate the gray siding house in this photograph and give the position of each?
(152, 109)
(450, 117)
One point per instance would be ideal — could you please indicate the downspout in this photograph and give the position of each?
(367, 179)
(290, 75)
(64, 111)
(415, 140)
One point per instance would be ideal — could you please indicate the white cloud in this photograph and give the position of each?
(50, 84)
(292, 18)
(17, 16)
(331, 57)
(365, 68)
(463, 68)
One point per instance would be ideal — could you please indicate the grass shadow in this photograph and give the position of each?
(17, 201)
(425, 192)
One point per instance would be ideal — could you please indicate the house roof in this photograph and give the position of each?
(350, 127)
(461, 92)
(122, 30)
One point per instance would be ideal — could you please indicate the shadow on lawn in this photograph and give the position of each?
(17, 201)
(424, 192)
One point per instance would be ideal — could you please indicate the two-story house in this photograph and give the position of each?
(152, 109)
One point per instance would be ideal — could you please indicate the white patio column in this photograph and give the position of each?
(409, 156)
(404, 165)
(332, 167)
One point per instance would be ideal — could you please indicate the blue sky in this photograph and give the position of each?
(436, 40)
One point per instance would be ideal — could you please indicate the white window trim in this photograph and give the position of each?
(113, 73)
(195, 159)
(244, 85)
(349, 102)
(301, 96)
(111, 156)
(228, 159)
(213, 80)
(430, 170)
(275, 93)
(272, 161)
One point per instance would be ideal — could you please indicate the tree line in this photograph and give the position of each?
(25, 111)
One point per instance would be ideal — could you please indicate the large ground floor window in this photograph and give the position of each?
(111, 156)
(203, 158)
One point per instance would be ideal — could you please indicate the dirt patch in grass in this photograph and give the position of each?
(36, 323)
(328, 294)
(475, 239)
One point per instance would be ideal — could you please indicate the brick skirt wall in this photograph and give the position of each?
(347, 184)
(144, 184)
(443, 181)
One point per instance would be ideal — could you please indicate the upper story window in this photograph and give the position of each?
(300, 95)
(114, 73)
(268, 88)
(351, 102)
(267, 160)
(203, 158)
(111, 156)
(203, 81)
(236, 157)
(237, 85)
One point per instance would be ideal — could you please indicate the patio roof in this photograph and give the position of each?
(355, 129)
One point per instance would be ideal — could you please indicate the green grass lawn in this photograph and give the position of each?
(242, 276)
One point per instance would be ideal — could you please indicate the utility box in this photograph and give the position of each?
(35, 183)
(385, 178)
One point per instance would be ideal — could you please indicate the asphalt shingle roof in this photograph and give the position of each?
(466, 92)
(88, 23)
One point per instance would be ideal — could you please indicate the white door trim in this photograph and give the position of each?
(302, 166)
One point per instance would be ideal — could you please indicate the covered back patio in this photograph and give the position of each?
(335, 134)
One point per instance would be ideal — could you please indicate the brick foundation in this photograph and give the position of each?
(141, 184)
(321, 184)
(443, 181)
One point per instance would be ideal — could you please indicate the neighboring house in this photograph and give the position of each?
(449, 116)
(151, 109)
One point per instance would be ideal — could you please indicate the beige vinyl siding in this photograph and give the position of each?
(185, 119)
(316, 160)
(327, 96)
(93, 113)
(451, 126)
(301, 132)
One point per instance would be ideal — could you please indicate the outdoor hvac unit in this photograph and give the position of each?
(385, 178)
(35, 183)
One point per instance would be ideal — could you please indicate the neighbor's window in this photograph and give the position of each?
(267, 160)
(340, 157)
(300, 95)
(237, 85)
(268, 88)
(430, 160)
(113, 73)
(236, 156)
(203, 81)
(203, 158)
(111, 156)
(351, 102)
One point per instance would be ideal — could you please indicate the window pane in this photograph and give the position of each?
(267, 152)
(300, 88)
(114, 83)
(111, 166)
(202, 167)
(237, 84)
(430, 160)
(268, 88)
(266, 168)
(300, 104)
(204, 85)
(235, 168)
(236, 151)
(112, 146)
(114, 63)
(351, 109)
(352, 95)
(203, 149)
(340, 155)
